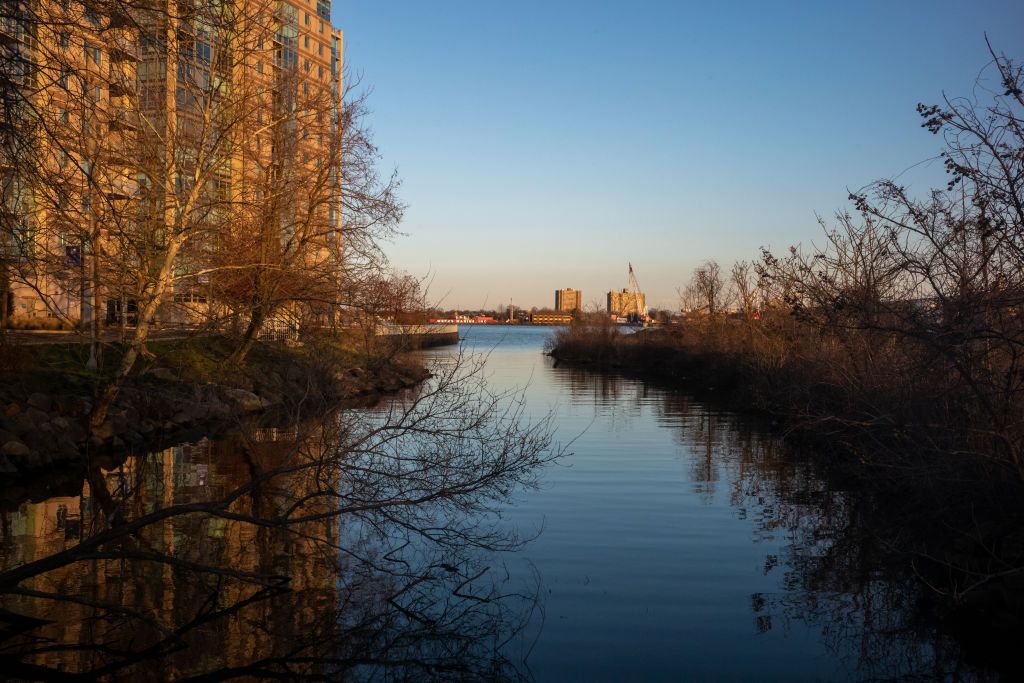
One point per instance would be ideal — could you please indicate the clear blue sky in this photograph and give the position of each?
(544, 144)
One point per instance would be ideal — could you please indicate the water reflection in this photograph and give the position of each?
(680, 541)
(353, 546)
(843, 564)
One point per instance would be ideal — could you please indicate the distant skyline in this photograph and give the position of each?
(544, 145)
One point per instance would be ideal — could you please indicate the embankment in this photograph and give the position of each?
(187, 389)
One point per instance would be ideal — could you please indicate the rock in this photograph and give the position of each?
(15, 449)
(244, 400)
(41, 401)
(12, 409)
(163, 374)
(146, 426)
(181, 419)
(70, 406)
(198, 410)
(18, 424)
(67, 449)
(6, 467)
(61, 424)
(271, 398)
(37, 417)
(6, 436)
(117, 443)
(77, 432)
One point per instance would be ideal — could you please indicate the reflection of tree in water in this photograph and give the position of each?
(351, 547)
(855, 556)
(847, 564)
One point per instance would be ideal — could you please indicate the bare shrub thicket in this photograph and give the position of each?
(907, 323)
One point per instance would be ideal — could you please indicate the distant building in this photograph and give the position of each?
(551, 318)
(568, 300)
(624, 303)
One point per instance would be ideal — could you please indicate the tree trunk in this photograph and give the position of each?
(256, 320)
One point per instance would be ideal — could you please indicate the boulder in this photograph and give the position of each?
(181, 419)
(18, 424)
(14, 449)
(77, 432)
(41, 401)
(245, 401)
(37, 417)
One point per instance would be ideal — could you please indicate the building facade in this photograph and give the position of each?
(568, 300)
(208, 135)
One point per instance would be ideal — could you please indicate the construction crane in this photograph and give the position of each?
(639, 307)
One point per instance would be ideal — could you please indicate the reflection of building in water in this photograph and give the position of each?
(172, 592)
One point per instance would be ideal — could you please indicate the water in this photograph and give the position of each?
(675, 540)
(652, 551)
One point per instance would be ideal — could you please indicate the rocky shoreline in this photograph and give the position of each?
(47, 432)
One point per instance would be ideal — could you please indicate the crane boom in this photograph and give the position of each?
(634, 289)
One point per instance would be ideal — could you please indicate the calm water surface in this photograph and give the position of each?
(660, 546)
(674, 541)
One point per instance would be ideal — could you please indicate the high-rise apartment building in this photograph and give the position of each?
(197, 133)
(568, 300)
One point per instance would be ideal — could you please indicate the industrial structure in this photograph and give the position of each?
(568, 300)
(629, 303)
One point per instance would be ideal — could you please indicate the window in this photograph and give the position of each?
(321, 27)
(320, 49)
(97, 93)
(320, 71)
(259, 67)
(307, 18)
(96, 56)
(65, 39)
(305, 40)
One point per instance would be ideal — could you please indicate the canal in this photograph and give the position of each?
(671, 539)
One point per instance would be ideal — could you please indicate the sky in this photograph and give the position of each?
(546, 144)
